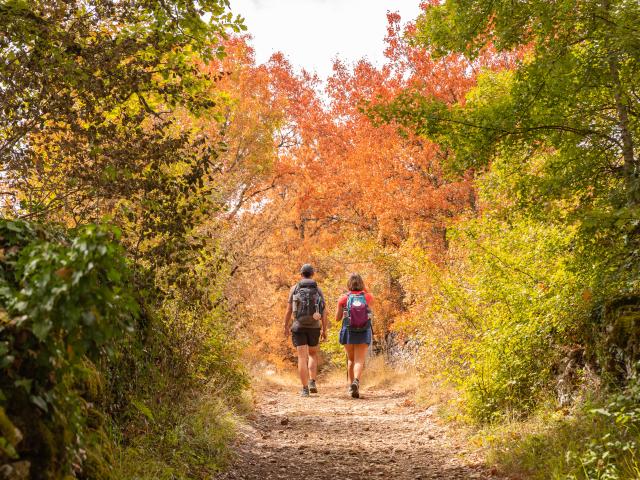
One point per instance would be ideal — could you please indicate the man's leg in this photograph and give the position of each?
(350, 358)
(313, 362)
(303, 364)
(360, 357)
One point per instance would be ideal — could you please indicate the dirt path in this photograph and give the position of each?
(331, 436)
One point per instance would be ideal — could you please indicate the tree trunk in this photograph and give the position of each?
(622, 109)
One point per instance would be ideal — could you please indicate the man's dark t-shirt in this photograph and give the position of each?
(296, 326)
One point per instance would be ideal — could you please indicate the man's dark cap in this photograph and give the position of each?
(307, 270)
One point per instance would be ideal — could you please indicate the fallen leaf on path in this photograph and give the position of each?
(407, 403)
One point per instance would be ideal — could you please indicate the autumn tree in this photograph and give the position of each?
(346, 192)
(571, 101)
(100, 103)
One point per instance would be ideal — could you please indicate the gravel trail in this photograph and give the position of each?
(332, 436)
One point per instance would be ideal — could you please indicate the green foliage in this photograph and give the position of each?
(596, 440)
(511, 302)
(67, 306)
(90, 93)
(528, 299)
(614, 453)
(571, 95)
(191, 443)
(100, 103)
(563, 114)
(548, 175)
(181, 366)
(544, 285)
(65, 301)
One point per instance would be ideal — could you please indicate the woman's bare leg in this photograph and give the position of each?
(360, 358)
(350, 359)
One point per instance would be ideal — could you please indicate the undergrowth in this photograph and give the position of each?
(193, 446)
(596, 439)
(97, 384)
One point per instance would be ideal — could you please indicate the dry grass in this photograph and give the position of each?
(268, 377)
(436, 392)
(377, 375)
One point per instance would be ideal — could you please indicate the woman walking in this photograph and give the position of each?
(354, 309)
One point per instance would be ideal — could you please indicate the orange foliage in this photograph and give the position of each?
(335, 180)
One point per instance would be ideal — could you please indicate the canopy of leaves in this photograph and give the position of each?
(552, 138)
(573, 94)
(86, 92)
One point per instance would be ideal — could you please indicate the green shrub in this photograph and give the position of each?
(65, 303)
(175, 385)
(509, 301)
(613, 450)
(595, 439)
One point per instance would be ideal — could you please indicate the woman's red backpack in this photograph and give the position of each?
(357, 312)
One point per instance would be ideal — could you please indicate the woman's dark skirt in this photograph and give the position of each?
(347, 337)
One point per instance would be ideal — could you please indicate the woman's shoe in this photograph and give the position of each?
(355, 389)
(312, 386)
(304, 392)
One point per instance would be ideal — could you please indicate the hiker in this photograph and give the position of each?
(354, 309)
(307, 306)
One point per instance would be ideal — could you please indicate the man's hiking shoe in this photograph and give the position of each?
(304, 392)
(312, 386)
(355, 389)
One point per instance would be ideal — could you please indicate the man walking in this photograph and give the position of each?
(307, 307)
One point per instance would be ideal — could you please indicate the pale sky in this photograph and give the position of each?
(311, 33)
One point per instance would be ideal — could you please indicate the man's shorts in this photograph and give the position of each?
(306, 336)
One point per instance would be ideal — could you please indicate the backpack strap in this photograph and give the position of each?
(345, 314)
(295, 291)
(318, 300)
(347, 306)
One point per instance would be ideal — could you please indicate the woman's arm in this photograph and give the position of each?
(325, 324)
(339, 313)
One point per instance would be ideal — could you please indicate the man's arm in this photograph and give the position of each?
(287, 320)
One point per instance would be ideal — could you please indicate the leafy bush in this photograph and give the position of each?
(88, 382)
(509, 302)
(175, 385)
(613, 452)
(65, 305)
(595, 439)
